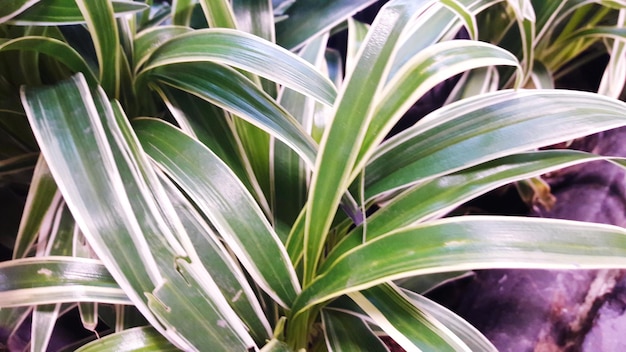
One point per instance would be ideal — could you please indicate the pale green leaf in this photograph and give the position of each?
(441, 195)
(423, 72)
(43, 320)
(159, 274)
(255, 17)
(149, 40)
(181, 12)
(218, 13)
(40, 203)
(219, 263)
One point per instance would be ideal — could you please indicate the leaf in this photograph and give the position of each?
(461, 328)
(135, 339)
(149, 40)
(246, 52)
(308, 18)
(12, 8)
(343, 137)
(290, 174)
(484, 128)
(233, 92)
(45, 280)
(437, 197)
(468, 243)
(218, 13)
(64, 12)
(57, 49)
(181, 12)
(420, 74)
(227, 273)
(412, 328)
(255, 17)
(41, 201)
(99, 16)
(43, 320)
(224, 200)
(135, 238)
(346, 332)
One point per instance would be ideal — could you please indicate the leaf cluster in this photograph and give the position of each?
(210, 174)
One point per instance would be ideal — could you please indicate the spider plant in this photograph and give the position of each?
(205, 178)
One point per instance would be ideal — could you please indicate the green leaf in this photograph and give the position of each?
(43, 320)
(467, 243)
(213, 127)
(219, 263)
(218, 13)
(64, 12)
(233, 92)
(306, 19)
(97, 167)
(422, 73)
(346, 332)
(255, 17)
(181, 12)
(487, 127)
(409, 326)
(135, 339)
(226, 203)
(99, 16)
(57, 49)
(40, 203)
(435, 198)
(12, 8)
(45, 280)
(461, 328)
(290, 174)
(343, 138)
(149, 40)
(246, 52)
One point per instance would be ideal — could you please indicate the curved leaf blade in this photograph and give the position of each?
(230, 90)
(308, 18)
(347, 332)
(246, 52)
(460, 327)
(225, 201)
(57, 49)
(126, 217)
(487, 127)
(49, 280)
(12, 8)
(64, 12)
(409, 326)
(467, 243)
(423, 72)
